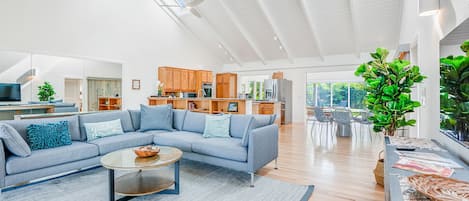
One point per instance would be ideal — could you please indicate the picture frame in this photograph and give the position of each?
(136, 84)
(232, 107)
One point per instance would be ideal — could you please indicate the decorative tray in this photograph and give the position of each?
(439, 188)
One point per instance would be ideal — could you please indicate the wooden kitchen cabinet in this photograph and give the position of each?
(182, 80)
(165, 76)
(227, 85)
(191, 81)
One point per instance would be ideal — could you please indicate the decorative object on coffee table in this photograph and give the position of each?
(147, 151)
(145, 180)
(439, 188)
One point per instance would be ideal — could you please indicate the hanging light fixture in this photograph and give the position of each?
(429, 7)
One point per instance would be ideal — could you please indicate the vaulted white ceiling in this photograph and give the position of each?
(265, 31)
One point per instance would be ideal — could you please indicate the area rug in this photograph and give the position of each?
(199, 182)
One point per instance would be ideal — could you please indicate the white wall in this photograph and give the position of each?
(447, 50)
(137, 34)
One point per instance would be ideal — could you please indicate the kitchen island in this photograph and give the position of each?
(222, 105)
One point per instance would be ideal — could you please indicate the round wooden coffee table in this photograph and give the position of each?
(143, 181)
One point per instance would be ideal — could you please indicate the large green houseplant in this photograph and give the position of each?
(388, 87)
(454, 93)
(46, 92)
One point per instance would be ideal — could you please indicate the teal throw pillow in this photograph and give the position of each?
(48, 135)
(103, 129)
(156, 117)
(217, 126)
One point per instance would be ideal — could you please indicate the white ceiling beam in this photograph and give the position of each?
(276, 29)
(207, 22)
(353, 20)
(399, 23)
(170, 13)
(243, 31)
(312, 26)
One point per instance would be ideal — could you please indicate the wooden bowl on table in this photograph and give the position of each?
(147, 151)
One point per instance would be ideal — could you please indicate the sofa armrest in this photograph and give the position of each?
(262, 147)
(2, 165)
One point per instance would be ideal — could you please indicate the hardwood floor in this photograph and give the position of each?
(341, 168)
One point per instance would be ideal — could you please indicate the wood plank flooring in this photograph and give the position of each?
(341, 168)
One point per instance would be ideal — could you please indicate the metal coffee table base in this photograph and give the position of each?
(142, 183)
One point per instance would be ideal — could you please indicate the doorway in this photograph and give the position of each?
(74, 92)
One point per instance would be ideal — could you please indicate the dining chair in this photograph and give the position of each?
(320, 119)
(343, 120)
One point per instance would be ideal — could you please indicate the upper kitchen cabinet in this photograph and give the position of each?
(227, 85)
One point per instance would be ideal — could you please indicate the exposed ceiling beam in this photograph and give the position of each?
(222, 41)
(353, 19)
(243, 31)
(312, 26)
(399, 24)
(170, 13)
(276, 29)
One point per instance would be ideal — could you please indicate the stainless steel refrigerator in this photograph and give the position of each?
(280, 90)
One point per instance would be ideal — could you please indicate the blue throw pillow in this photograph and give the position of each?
(217, 126)
(49, 135)
(156, 117)
(103, 129)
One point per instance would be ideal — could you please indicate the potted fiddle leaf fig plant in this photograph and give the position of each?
(388, 88)
(46, 92)
(454, 93)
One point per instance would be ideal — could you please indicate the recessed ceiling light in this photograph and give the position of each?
(220, 46)
(275, 38)
(281, 48)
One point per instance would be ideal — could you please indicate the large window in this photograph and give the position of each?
(253, 86)
(335, 94)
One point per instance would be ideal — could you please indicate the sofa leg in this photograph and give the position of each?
(276, 166)
(252, 180)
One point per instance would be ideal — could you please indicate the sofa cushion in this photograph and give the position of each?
(217, 126)
(154, 132)
(124, 116)
(227, 148)
(156, 117)
(127, 140)
(50, 157)
(180, 139)
(103, 129)
(240, 124)
(178, 118)
(48, 135)
(194, 122)
(73, 126)
(13, 141)
(262, 120)
(135, 117)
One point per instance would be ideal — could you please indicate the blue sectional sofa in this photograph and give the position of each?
(260, 149)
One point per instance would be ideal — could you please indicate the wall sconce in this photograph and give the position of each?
(429, 7)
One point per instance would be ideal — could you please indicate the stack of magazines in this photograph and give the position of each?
(426, 163)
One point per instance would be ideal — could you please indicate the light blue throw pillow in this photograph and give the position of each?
(217, 126)
(48, 135)
(103, 129)
(156, 117)
(13, 141)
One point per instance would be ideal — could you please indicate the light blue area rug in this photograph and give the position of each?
(199, 182)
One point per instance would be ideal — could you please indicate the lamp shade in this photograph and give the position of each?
(429, 7)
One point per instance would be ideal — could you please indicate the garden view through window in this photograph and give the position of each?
(335, 94)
